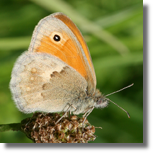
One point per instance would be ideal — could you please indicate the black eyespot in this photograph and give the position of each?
(57, 38)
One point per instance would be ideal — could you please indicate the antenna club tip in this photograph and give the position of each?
(128, 115)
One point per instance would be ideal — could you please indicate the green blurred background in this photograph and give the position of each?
(113, 31)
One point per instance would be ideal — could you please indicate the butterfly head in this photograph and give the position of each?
(100, 101)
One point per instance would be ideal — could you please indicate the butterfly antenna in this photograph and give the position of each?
(115, 103)
(119, 107)
(120, 90)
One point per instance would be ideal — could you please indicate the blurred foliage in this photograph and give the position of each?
(113, 31)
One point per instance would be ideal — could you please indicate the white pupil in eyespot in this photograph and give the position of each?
(57, 38)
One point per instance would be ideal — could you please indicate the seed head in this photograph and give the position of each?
(42, 128)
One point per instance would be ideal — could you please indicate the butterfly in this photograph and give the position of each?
(56, 74)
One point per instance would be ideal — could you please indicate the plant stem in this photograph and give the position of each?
(10, 127)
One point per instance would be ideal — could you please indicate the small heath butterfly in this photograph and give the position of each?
(56, 74)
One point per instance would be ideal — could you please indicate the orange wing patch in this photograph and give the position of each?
(80, 38)
(71, 48)
(66, 50)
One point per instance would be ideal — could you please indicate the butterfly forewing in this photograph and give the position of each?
(71, 48)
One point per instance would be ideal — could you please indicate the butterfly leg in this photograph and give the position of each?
(68, 109)
(86, 114)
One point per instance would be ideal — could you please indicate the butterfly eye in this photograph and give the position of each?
(57, 38)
